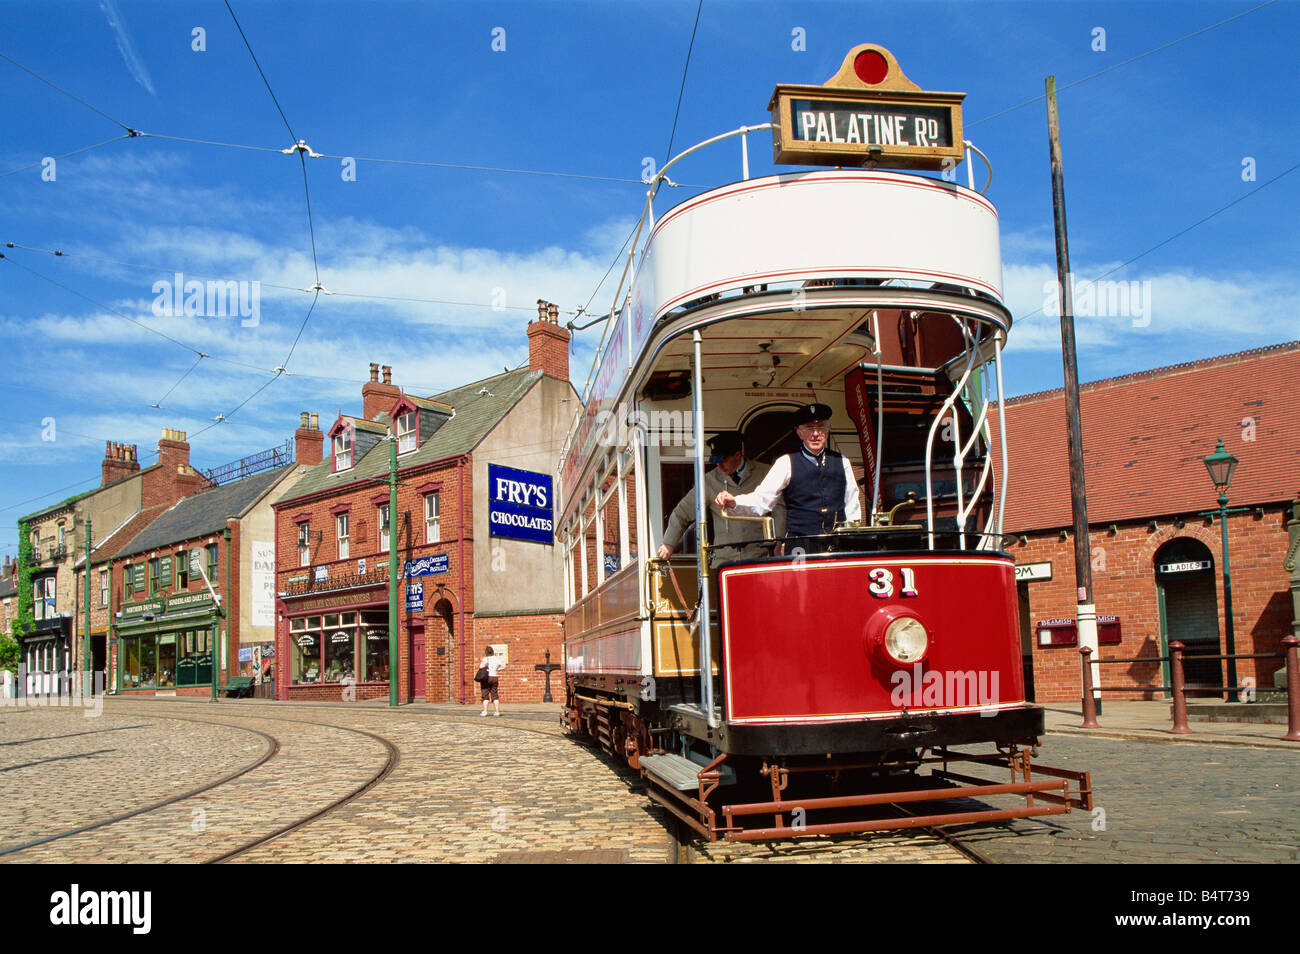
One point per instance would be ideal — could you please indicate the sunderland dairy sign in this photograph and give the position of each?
(521, 505)
(868, 114)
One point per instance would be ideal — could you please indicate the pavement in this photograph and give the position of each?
(1152, 722)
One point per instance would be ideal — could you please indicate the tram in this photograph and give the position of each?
(826, 687)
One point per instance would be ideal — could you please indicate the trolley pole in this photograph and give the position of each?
(1087, 610)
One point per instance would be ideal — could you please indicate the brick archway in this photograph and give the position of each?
(440, 633)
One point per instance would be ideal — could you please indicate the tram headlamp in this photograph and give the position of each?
(906, 640)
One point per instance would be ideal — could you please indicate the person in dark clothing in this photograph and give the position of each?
(816, 483)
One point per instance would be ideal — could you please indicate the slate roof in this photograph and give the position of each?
(479, 407)
(204, 512)
(1145, 435)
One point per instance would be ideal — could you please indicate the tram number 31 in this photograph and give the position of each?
(882, 582)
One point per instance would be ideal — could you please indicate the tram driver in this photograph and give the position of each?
(815, 483)
(730, 537)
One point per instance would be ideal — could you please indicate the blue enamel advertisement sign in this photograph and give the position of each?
(520, 505)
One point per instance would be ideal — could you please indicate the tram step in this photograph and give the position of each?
(679, 773)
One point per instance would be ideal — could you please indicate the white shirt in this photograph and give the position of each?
(763, 497)
(493, 664)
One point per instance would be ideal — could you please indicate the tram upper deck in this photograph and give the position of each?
(877, 293)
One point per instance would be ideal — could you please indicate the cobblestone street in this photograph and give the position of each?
(461, 788)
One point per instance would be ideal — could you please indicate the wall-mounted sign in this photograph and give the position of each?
(263, 582)
(414, 596)
(1189, 566)
(426, 565)
(137, 577)
(361, 566)
(320, 574)
(1033, 571)
(520, 505)
(867, 114)
(165, 571)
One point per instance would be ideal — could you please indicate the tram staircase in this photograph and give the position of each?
(911, 400)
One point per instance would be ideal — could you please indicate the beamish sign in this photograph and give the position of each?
(520, 505)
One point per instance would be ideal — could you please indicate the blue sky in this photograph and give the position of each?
(588, 90)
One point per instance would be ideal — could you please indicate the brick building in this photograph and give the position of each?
(127, 498)
(167, 620)
(1156, 549)
(465, 582)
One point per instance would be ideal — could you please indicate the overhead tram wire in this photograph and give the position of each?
(1179, 234)
(95, 109)
(41, 161)
(1123, 63)
(682, 89)
(60, 253)
(158, 403)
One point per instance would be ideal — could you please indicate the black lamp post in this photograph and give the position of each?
(1221, 466)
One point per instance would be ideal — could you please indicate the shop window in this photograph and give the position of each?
(341, 529)
(407, 437)
(374, 632)
(383, 529)
(340, 654)
(305, 649)
(432, 522)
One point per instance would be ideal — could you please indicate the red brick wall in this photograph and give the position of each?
(409, 534)
(1124, 584)
(528, 638)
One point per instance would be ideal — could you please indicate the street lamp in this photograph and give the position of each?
(1221, 466)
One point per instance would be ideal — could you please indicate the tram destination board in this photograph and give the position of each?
(821, 126)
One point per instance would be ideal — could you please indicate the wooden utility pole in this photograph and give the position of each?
(1087, 610)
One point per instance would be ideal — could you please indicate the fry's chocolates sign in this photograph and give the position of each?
(520, 505)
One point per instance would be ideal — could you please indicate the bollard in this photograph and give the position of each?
(1292, 691)
(1180, 700)
(1089, 703)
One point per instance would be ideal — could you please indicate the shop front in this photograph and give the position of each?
(335, 646)
(46, 657)
(166, 645)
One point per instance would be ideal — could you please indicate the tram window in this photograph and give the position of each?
(676, 480)
(631, 516)
(612, 544)
(575, 562)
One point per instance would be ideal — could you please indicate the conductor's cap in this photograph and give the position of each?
(811, 413)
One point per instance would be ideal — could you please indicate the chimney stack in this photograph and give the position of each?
(376, 397)
(120, 460)
(308, 440)
(548, 342)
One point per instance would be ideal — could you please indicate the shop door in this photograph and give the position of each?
(418, 662)
(1190, 610)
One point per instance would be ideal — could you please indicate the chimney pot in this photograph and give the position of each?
(388, 374)
(374, 371)
(302, 419)
(314, 425)
(553, 312)
(541, 310)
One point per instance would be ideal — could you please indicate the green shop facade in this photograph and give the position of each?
(168, 643)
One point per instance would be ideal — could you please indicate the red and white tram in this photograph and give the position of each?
(827, 684)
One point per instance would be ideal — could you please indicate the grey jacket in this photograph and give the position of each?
(728, 534)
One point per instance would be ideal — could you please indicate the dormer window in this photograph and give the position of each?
(343, 449)
(407, 432)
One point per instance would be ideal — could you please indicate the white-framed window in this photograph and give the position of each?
(63, 536)
(43, 598)
(343, 450)
(103, 588)
(304, 544)
(432, 528)
(341, 528)
(383, 528)
(406, 432)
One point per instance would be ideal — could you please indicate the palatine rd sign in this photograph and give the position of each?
(868, 114)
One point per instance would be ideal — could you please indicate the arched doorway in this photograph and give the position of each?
(1189, 609)
(441, 636)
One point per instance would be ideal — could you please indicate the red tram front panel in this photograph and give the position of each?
(836, 638)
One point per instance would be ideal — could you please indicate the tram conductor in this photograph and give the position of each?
(815, 483)
(730, 537)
